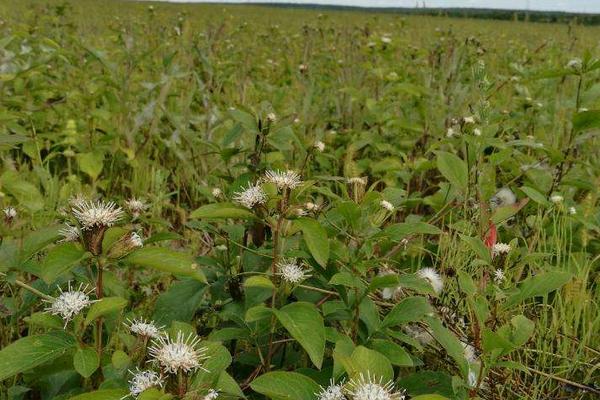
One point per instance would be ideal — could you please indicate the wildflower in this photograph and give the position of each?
(69, 233)
(251, 196)
(572, 211)
(142, 328)
(357, 180)
(477, 132)
(143, 380)
(271, 118)
(216, 192)
(181, 354)
(556, 198)
(387, 205)
(331, 392)
(296, 121)
(310, 206)
(370, 388)
(10, 213)
(290, 271)
(504, 197)
(283, 179)
(96, 214)
(78, 201)
(136, 207)
(320, 146)
(434, 279)
(468, 120)
(575, 64)
(500, 248)
(386, 39)
(499, 276)
(302, 68)
(211, 395)
(450, 132)
(125, 245)
(70, 303)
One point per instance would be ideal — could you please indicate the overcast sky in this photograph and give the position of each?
(589, 6)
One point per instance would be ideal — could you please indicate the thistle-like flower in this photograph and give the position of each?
(387, 205)
(450, 132)
(434, 279)
(143, 380)
(499, 276)
(320, 146)
(99, 214)
(371, 388)
(271, 117)
(251, 196)
(332, 392)
(70, 303)
(290, 271)
(181, 354)
(283, 179)
(504, 197)
(211, 395)
(500, 248)
(142, 328)
(10, 213)
(136, 207)
(69, 233)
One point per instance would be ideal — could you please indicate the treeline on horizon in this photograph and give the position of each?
(480, 13)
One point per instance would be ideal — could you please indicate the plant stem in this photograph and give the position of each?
(99, 294)
(31, 289)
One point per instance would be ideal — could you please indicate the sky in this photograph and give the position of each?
(587, 6)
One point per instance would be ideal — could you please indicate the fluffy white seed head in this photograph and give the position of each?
(477, 132)
(69, 233)
(143, 380)
(332, 392)
(70, 303)
(450, 132)
(504, 197)
(144, 328)
(283, 179)
(251, 196)
(291, 271)
(387, 205)
(371, 388)
(92, 215)
(181, 354)
(434, 279)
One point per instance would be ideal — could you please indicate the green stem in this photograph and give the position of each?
(31, 289)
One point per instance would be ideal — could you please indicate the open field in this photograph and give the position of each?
(327, 205)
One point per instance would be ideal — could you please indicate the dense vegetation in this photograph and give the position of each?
(226, 202)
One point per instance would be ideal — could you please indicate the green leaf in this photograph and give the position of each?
(450, 343)
(31, 351)
(316, 239)
(397, 232)
(166, 260)
(37, 240)
(370, 362)
(538, 285)
(429, 397)
(408, 310)
(222, 210)
(394, 352)
(218, 361)
(228, 385)
(280, 385)
(25, 192)
(61, 259)
(534, 195)
(105, 394)
(305, 324)
(86, 361)
(586, 120)
(91, 163)
(454, 169)
(478, 247)
(105, 306)
(179, 302)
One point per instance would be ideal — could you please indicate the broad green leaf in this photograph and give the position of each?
(280, 385)
(305, 324)
(394, 352)
(27, 194)
(222, 210)
(104, 394)
(409, 309)
(38, 240)
(218, 361)
(179, 302)
(45, 320)
(478, 247)
(316, 239)
(105, 306)
(538, 285)
(31, 351)
(402, 230)
(450, 343)
(429, 397)
(166, 260)
(454, 169)
(86, 361)
(228, 385)
(91, 163)
(534, 195)
(61, 259)
(586, 120)
(370, 362)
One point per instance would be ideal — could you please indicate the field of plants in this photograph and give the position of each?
(233, 202)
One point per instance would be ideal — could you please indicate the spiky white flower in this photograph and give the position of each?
(291, 271)
(332, 392)
(387, 205)
(69, 233)
(320, 146)
(499, 276)
(556, 198)
(283, 179)
(135, 240)
(181, 354)
(70, 303)
(477, 132)
(503, 197)
(136, 206)
(211, 395)
(143, 380)
(10, 212)
(371, 388)
(78, 201)
(250, 196)
(97, 214)
(143, 328)
(572, 211)
(357, 180)
(434, 279)
(216, 192)
(500, 248)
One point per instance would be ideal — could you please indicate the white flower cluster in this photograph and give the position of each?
(291, 271)
(136, 207)
(70, 303)
(283, 179)
(251, 196)
(143, 380)
(500, 248)
(181, 354)
(371, 388)
(143, 328)
(92, 214)
(69, 233)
